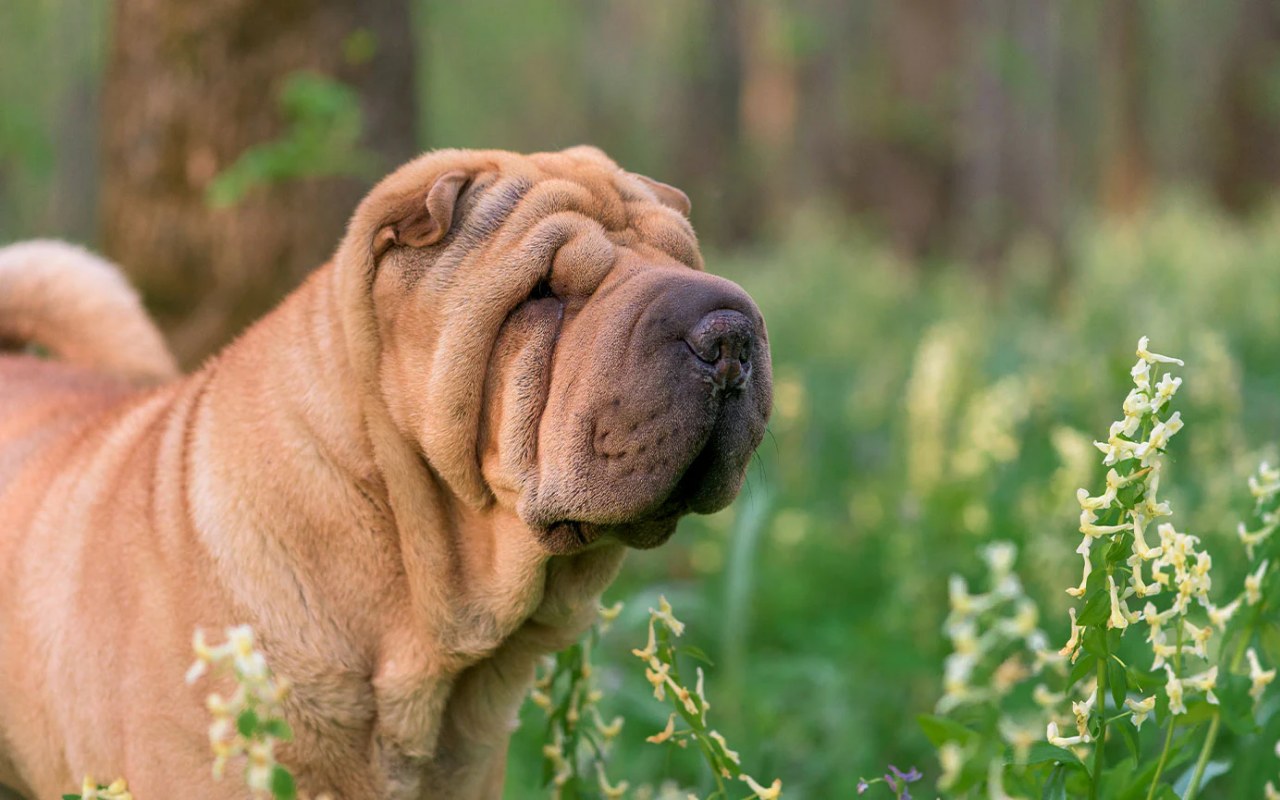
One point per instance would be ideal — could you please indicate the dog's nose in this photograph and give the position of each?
(722, 341)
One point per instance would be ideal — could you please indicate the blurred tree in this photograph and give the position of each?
(1126, 172)
(190, 88)
(1246, 163)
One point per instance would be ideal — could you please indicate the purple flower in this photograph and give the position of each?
(910, 776)
(862, 786)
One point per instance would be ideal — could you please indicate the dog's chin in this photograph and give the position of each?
(573, 536)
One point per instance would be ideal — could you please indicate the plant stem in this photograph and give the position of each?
(1205, 752)
(1211, 737)
(1164, 756)
(1168, 738)
(1102, 731)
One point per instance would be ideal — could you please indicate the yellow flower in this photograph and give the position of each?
(773, 792)
(1117, 618)
(664, 613)
(666, 733)
(1258, 676)
(1173, 689)
(1253, 585)
(1141, 709)
(1152, 358)
(605, 788)
(732, 755)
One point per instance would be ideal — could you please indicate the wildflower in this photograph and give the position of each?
(1173, 689)
(732, 755)
(1152, 358)
(1019, 737)
(951, 758)
(609, 731)
(1051, 734)
(664, 614)
(1220, 616)
(773, 792)
(1117, 618)
(1259, 678)
(1199, 637)
(1082, 710)
(1141, 709)
(1266, 484)
(1072, 647)
(1253, 584)
(1205, 682)
(606, 789)
(898, 780)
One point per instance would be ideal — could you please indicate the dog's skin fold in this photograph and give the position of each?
(413, 478)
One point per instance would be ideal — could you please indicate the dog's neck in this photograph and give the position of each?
(433, 599)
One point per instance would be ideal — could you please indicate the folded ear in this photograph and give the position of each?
(667, 194)
(419, 221)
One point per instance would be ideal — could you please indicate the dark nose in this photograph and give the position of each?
(722, 341)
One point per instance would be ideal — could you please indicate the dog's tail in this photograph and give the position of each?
(80, 308)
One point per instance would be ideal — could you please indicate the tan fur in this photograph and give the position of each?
(371, 477)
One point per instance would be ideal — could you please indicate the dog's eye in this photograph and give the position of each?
(542, 291)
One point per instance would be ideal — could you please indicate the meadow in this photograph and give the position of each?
(922, 412)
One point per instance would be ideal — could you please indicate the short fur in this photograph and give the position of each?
(413, 478)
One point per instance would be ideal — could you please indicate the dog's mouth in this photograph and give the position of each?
(573, 536)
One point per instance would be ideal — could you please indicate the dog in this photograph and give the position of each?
(413, 478)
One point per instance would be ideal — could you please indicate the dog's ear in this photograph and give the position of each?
(667, 194)
(422, 221)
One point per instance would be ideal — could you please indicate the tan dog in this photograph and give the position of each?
(413, 478)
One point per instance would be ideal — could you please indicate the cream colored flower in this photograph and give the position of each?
(1141, 709)
(664, 613)
(1051, 734)
(1173, 690)
(607, 789)
(666, 733)
(772, 792)
(1152, 358)
(1253, 584)
(732, 755)
(1258, 676)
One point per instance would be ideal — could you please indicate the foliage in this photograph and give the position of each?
(322, 139)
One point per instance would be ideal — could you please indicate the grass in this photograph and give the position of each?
(921, 413)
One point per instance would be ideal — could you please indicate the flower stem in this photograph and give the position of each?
(1205, 752)
(1168, 737)
(1102, 730)
(1164, 756)
(1211, 737)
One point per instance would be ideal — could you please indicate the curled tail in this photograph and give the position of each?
(79, 307)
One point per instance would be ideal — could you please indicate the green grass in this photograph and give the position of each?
(921, 413)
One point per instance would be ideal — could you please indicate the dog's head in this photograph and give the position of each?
(547, 337)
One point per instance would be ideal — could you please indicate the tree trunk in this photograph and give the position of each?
(1246, 144)
(190, 87)
(1126, 174)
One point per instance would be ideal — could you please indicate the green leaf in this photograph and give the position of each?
(282, 787)
(696, 653)
(1094, 641)
(1097, 607)
(1118, 680)
(247, 723)
(940, 730)
(1056, 787)
(1084, 666)
(277, 728)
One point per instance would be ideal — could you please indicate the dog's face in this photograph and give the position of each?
(548, 339)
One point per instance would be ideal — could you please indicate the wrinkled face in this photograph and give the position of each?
(550, 340)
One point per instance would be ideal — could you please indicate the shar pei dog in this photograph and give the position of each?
(413, 478)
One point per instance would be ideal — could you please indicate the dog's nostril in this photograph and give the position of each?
(722, 340)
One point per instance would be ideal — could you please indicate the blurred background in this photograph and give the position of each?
(957, 215)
